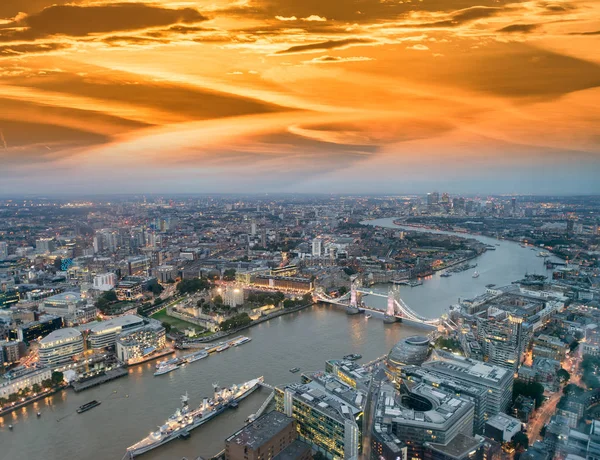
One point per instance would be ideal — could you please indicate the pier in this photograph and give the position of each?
(99, 380)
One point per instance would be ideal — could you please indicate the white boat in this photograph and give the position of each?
(475, 274)
(223, 347)
(185, 420)
(241, 341)
(193, 357)
(166, 369)
(367, 316)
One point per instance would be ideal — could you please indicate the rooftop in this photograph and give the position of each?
(64, 297)
(119, 321)
(67, 333)
(261, 430)
(470, 369)
(293, 451)
(504, 422)
(459, 447)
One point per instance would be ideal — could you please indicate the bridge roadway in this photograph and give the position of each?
(405, 315)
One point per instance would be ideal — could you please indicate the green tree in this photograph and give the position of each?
(155, 288)
(237, 321)
(533, 390)
(288, 303)
(57, 378)
(36, 388)
(218, 300)
(563, 375)
(229, 274)
(520, 441)
(192, 285)
(343, 290)
(167, 327)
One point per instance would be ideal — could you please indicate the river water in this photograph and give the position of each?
(135, 405)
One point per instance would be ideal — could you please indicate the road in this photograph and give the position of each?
(543, 415)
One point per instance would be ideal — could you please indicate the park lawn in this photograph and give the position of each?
(176, 323)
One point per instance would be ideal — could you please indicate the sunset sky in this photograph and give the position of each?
(325, 96)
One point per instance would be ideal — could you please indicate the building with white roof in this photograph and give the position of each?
(105, 333)
(60, 346)
(498, 381)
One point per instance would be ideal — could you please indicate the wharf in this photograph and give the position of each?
(100, 379)
(166, 352)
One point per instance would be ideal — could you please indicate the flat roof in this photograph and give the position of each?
(64, 297)
(293, 451)
(261, 430)
(119, 321)
(504, 422)
(60, 334)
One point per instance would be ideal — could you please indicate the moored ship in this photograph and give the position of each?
(166, 368)
(192, 357)
(87, 406)
(185, 420)
(241, 341)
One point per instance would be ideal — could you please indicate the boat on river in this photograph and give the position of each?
(476, 274)
(165, 369)
(185, 419)
(87, 406)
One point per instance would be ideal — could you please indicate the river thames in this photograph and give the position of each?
(133, 406)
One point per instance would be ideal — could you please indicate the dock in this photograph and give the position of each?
(99, 379)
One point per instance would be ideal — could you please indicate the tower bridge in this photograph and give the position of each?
(397, 310)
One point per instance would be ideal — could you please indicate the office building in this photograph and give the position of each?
(477, 394)
(501, 336)
(410, 350)
(349, 372)
(9, 351)
(60, 346)
(104, 334)
(105, 281)
(3, 250)
(593, 448)
(37, 329)
(9, 298)
(502, 427)
(134, 346)
(268, 437)
(129, 289)
(284, 283)
(421, 413)
(165, 273)
(328, 412)
(64, 304)
(317, 247)
(546, 346)
(45, 245)
(15, 381)
(498, 381)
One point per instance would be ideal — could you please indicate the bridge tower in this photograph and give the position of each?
(391, 314)
(355, 302)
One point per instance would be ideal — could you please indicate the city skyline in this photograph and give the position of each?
(470, 96)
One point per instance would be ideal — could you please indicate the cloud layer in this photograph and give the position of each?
(299, 95)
